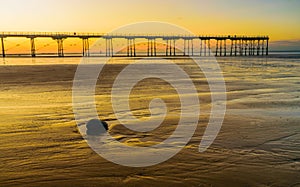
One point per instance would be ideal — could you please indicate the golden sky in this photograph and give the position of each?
(277, 18)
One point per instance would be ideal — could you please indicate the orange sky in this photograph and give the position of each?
(278, 19)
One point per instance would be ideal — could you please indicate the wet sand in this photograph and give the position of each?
(258, 145)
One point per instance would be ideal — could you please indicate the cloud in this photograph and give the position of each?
(285, 45)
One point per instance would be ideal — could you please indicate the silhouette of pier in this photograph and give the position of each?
(230, 45)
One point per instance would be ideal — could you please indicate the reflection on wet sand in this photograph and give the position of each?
(258, 144)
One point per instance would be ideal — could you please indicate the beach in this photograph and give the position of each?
(258, 144)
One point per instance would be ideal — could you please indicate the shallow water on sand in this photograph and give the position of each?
(258, 145)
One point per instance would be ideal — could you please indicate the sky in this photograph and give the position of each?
(277, 18)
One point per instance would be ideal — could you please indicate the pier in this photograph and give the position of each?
(196, 45)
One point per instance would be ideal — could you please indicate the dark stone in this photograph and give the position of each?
(96, 127)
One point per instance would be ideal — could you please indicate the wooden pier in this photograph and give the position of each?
(230, 45)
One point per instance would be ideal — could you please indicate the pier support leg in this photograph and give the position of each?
(32, 46)
(267, 49)
(2, 45)
(174, 47)
(128, 44)
(231, 47)
(131, 51)
(205, 46)
(245, 47)
(241, 47)
(131, 47)
(200, 48)
(85, 47)
(225, 47)
(60, 47)
(192, 45)
(106, 47)
(220, 47)
(151, 43)
(235, 47)
(250, 48)
(254, 47)
(188, 47)
(151, 50)
(217, 46)
(109, 47)
(209, 54)
(184, 47)
(154, 47)
(167, 47)
(258, 48)
(148, 47)
(170, 47)
(263, 48)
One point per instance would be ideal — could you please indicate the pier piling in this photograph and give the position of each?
(85, 47)
(2, 45)
(32, 45)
